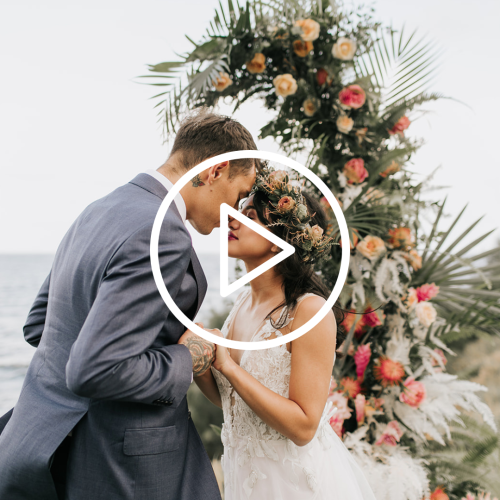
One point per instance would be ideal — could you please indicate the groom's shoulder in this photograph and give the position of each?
(130, 211)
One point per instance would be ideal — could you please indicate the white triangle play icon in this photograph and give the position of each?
(287, 250)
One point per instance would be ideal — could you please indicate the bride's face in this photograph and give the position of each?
(246, 244)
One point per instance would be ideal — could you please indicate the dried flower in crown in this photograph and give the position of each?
(288, 208)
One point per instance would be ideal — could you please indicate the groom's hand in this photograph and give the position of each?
(202, 351)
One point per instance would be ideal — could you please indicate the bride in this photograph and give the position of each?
(278, 443)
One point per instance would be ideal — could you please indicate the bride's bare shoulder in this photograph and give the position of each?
(308, 306)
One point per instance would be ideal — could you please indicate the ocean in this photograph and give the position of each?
(20, 279)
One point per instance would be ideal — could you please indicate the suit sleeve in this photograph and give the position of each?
(35, 322)
(113, 356)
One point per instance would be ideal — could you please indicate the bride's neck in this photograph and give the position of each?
(266, 287)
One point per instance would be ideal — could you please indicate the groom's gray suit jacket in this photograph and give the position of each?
(107, 366)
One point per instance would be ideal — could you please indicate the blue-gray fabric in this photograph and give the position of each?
(107, 366)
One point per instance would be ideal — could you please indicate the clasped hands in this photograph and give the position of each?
(205, 353)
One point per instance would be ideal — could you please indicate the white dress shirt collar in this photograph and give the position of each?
(179, 201)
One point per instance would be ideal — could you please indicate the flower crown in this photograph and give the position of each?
(289, 207)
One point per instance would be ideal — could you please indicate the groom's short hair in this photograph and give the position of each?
(203, 135)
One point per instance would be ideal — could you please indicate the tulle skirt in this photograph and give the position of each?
(279, 470)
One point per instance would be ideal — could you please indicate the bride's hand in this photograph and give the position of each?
(222, 356)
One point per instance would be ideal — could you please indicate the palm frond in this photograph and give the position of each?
(401, 65)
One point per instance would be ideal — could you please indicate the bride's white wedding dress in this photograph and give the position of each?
(259, 462)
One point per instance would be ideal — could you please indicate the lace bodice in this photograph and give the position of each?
(271, 367)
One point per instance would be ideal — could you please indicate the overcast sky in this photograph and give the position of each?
(74, 125)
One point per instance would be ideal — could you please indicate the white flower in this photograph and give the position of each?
(426, 313)
(344, 49)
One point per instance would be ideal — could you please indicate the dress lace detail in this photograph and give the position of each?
(244, 435)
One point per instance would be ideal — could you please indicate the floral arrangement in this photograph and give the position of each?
(288, 208)
(346, 90)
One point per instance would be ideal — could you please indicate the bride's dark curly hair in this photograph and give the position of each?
(299, 277)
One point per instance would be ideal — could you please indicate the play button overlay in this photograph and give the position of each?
(155, 261)
(287, 250)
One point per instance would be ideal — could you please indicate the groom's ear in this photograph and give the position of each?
(217, 171)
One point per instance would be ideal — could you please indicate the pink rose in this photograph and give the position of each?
(362, 358)
(414, 393)
(355, 170)
(427, 292)
(401, 125)
(391, 435)
(352, 96)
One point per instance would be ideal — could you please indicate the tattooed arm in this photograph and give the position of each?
(203, 354)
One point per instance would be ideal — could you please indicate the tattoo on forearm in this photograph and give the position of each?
(202, 352)
(196, 181)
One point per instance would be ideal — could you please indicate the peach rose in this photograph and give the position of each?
(286, 204)
(371, 247)
(222, 82)
(316, 233)
(414, 259)
(302, 48)
(344, 49)
(257, 64)
(391, 169)
(352, 96)
(310, 29)
(355, 170)
(400, 237)
(344, 124)
(426, 313)
(310, 105)
(285, 85)
(401, 125)
(413, 393)
(427, 292)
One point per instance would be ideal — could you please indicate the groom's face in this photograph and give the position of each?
(206, 215)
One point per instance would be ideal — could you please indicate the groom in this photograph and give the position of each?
(103, 413)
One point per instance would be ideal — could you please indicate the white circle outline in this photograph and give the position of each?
(155, 262)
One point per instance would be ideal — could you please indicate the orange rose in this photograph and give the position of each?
(310, 29)
(222, 82)
(355, 171)
(311, 105)
(352, 243)
(391, 169)
(400, 237)
(285, 85)
(302, 48)
(371, 247)
(439, 494)
(257, 64)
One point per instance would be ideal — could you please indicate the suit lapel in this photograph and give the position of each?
(200, 279)
(149, 183)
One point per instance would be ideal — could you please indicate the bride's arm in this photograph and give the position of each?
(297, 417)
(208, 387)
